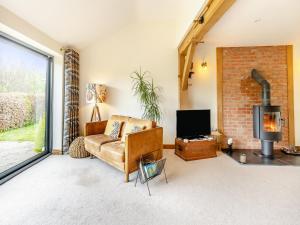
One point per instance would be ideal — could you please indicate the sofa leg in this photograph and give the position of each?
(126, 177)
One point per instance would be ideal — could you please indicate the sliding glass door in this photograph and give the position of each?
(25, 91)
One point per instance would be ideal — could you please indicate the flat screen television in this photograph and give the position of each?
(193, 123)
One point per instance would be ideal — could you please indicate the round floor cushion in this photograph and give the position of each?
(77, 149)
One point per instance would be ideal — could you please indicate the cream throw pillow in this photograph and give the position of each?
(130, 128)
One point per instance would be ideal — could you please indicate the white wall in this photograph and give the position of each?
(153, 46)
(151, 42)
(57, 102)
(20, 29)
(202, 90)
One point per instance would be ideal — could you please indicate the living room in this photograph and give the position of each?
(76, 132)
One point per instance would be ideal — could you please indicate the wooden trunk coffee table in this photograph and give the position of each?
(193, 150)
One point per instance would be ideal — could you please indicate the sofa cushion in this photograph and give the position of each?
(135, 125)
(92, 143)
(113, 151)
(131, 128)
(115, 132)
(146, 124)
(110, 124)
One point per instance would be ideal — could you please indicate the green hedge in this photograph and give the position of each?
(19, 110)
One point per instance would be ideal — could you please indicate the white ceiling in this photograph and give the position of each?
(77, 23)
(257, 22)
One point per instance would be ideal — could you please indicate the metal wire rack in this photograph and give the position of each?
(150, 166)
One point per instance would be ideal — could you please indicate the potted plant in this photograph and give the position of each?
(148, 95)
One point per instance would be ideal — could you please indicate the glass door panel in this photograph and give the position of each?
(23, 103)
(272, 122)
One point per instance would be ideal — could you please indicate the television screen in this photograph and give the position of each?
(193, 123)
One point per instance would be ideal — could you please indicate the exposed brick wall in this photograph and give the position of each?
(241, 92)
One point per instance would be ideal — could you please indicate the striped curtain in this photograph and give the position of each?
(71, 98)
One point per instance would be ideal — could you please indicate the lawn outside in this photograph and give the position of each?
(26, 133)
(33, 133)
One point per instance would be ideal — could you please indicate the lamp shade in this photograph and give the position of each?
(100, 93)
(95, 93)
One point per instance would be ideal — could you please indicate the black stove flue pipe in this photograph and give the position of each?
(266, 88)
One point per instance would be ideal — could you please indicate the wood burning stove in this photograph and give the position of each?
(267, 127)
(266, 119)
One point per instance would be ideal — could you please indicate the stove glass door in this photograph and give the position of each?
(272, 122)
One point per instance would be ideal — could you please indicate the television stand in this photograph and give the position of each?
(196, 149)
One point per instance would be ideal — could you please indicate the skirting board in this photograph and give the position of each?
(169, 146)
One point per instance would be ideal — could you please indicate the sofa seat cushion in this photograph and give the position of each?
(92, 143)
(113, 151)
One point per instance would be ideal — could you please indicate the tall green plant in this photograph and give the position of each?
(148, 95)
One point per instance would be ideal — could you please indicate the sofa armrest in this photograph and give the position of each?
(92, 128)
(141, 143)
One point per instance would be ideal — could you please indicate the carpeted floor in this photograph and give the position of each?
(219, 191)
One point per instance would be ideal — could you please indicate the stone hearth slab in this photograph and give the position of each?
(280, 158)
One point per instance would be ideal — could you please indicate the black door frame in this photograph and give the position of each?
(13, 171)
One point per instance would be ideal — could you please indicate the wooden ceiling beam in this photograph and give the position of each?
(187, 65)
(208, 15)
(211, 12)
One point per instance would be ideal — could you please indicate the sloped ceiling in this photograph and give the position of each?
(257, 22)
(77, 23)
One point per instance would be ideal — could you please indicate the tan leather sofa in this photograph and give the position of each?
(123, 153)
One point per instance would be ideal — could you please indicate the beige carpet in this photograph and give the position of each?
(62, 190)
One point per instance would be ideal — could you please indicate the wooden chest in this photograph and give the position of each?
(195, 149)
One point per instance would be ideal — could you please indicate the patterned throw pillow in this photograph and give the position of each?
(116, 130)
(130, 128)
(135, 129)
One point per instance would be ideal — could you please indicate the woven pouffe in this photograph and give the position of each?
(77, 149)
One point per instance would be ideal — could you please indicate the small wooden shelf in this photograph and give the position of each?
(194, 150)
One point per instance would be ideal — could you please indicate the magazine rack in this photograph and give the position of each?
(150, 167)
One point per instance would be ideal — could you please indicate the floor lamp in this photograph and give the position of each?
(96, 93)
